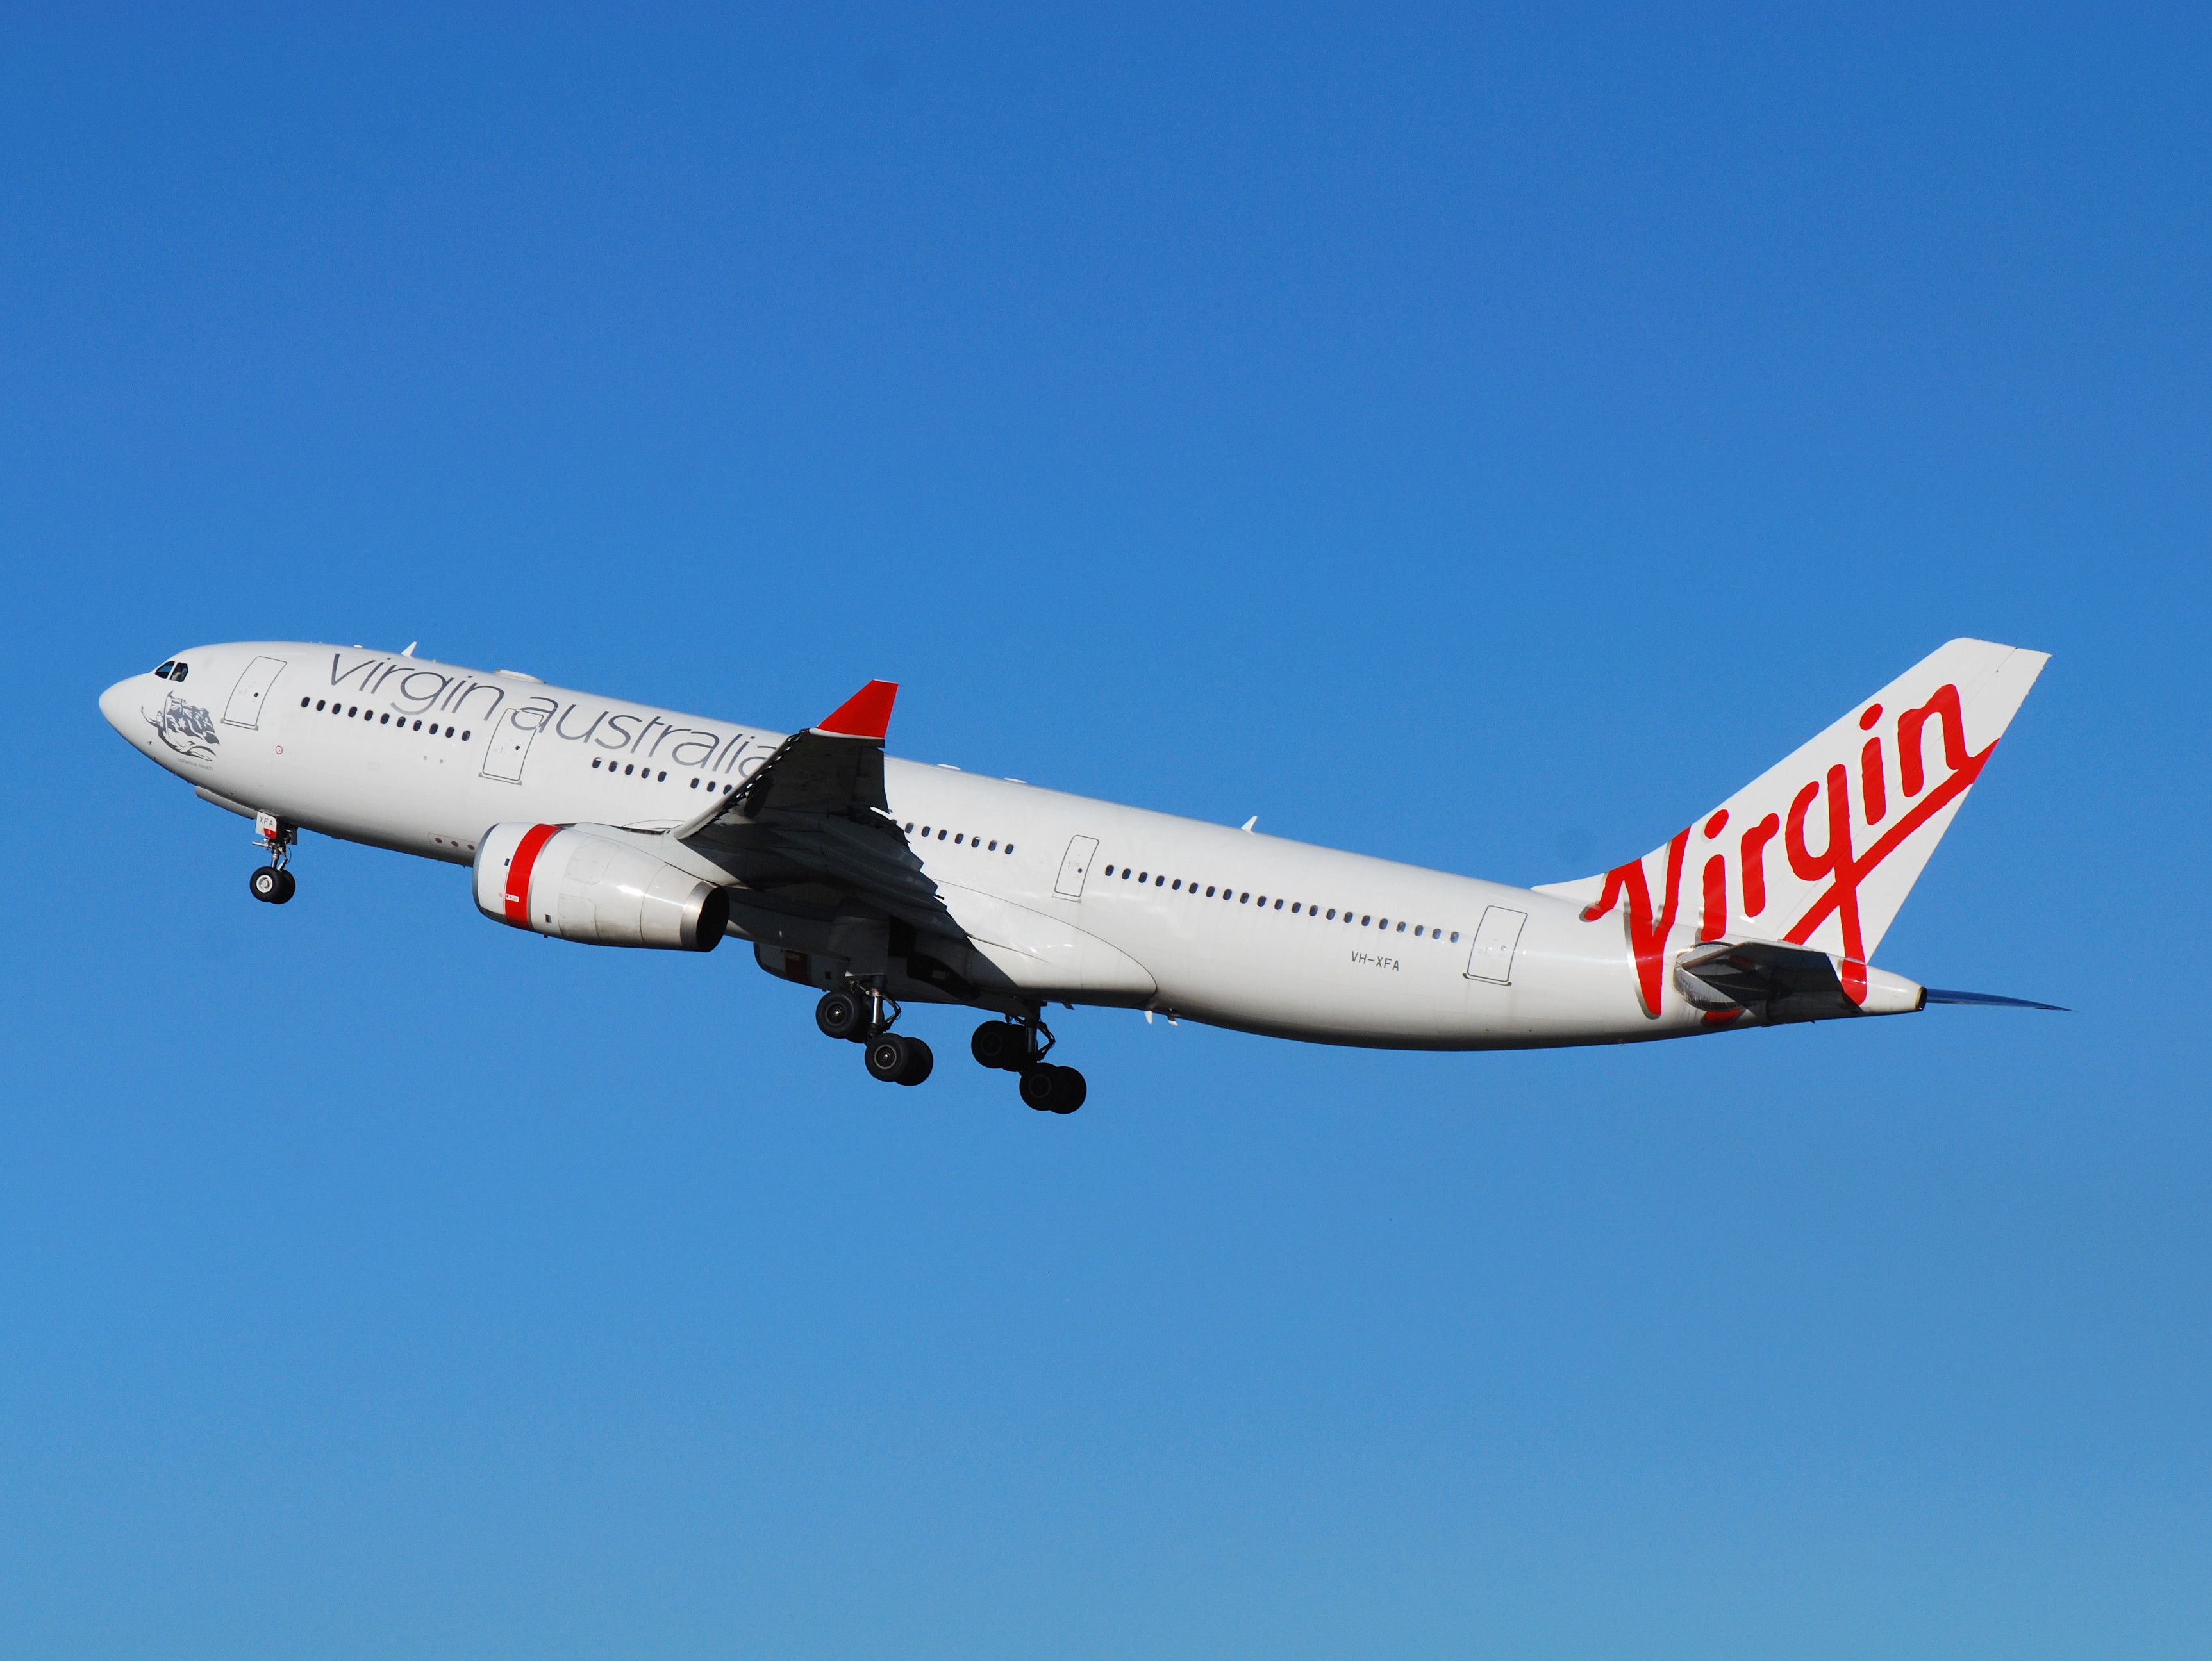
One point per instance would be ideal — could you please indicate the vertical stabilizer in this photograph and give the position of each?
(1821, 848)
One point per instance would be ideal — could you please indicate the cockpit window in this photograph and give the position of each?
(163, 673)
(177, 673)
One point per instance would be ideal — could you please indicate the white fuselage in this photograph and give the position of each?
(1197, 920)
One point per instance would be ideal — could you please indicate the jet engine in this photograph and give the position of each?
(595, 884)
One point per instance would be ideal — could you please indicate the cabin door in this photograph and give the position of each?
(509, 748)
(1075, 867)
(244, 709)
(1495, 938)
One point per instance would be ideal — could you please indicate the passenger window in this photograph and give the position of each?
(1401, 927)
(925, 833)
(661, 779)
(1364, 921)
(318, 703)
(1144, 876)
(384, 720)
(303, 703)
(1177, 887)
(1455, 936)
(994, 845)
(1245, 898)
(1010, 847)
(1109, 870)
(464, 735)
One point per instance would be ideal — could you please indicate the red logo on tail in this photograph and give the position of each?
(1843, 866)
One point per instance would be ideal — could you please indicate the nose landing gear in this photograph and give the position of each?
(273, 884)
(1020, 1047)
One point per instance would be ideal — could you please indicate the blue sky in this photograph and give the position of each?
(1479, 439)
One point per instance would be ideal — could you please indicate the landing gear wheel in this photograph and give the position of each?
(1051, 1089)
(272, 885)
(1002, 1044)
(1072, 1092)
(842, 1015)
(889, 1056)
(919, 1061)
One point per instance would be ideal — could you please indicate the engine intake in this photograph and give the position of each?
(594, 884)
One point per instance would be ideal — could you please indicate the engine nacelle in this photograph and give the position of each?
(592, 883)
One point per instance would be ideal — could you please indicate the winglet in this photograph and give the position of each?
(866, 714)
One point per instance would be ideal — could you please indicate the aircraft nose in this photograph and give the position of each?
(116, 702)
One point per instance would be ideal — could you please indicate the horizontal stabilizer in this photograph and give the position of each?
(1936, 994)
(1779, 983)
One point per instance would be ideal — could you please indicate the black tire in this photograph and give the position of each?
(267, 884)
(842, 1015)
(1000, 1044)
(1069, 1090)
(286, 888)
(919, 1061)
(887, 1056)
(1039, 1085)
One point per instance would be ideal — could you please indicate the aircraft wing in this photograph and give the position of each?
(812, 824)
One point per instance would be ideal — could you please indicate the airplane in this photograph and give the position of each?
(877, 882)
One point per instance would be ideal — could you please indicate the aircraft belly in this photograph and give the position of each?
(1570, 983)
(1047, 955)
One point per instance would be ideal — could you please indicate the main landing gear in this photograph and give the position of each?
(864, 1015)
(1020, 1047)
(272, 884)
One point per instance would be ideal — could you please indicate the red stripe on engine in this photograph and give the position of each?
(518, 872)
